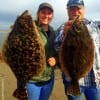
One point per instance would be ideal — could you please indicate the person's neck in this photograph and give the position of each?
(45, 27)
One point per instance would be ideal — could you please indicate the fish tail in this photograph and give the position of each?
(20, 94)
(74, 88)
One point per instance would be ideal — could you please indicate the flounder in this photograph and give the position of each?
(24, 52)
(76, 55)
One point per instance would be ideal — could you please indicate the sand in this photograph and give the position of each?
(8, 84)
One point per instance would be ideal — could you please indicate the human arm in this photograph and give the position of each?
(67, 26)
(61, 32)
(97, 54)
(95, 32)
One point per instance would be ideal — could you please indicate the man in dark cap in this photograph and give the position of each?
(89, 85)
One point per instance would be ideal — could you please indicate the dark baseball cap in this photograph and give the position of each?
(45, 5)
(76, 3)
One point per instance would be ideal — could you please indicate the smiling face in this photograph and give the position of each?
(45, 16)
(74, 12)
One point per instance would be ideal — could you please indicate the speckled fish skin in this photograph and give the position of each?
(76, 55)
(24, 52)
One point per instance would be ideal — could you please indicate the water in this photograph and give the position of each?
(3, 35)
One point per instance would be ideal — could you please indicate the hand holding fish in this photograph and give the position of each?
(51, 61)
(67, 26)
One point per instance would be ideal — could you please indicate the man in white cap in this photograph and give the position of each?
(89, 85)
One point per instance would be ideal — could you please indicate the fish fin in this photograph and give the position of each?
(73, 88)
(20, 94)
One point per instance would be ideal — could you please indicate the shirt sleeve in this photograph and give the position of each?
(95, 31)
(58, 37)
(95, 34)
(97, 48)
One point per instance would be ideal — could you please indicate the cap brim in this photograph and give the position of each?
(75, 5)
(46, 7)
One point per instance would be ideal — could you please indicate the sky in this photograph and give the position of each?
(10, 9)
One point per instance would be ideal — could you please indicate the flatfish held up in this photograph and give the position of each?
(23, 51)
(76, 55)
